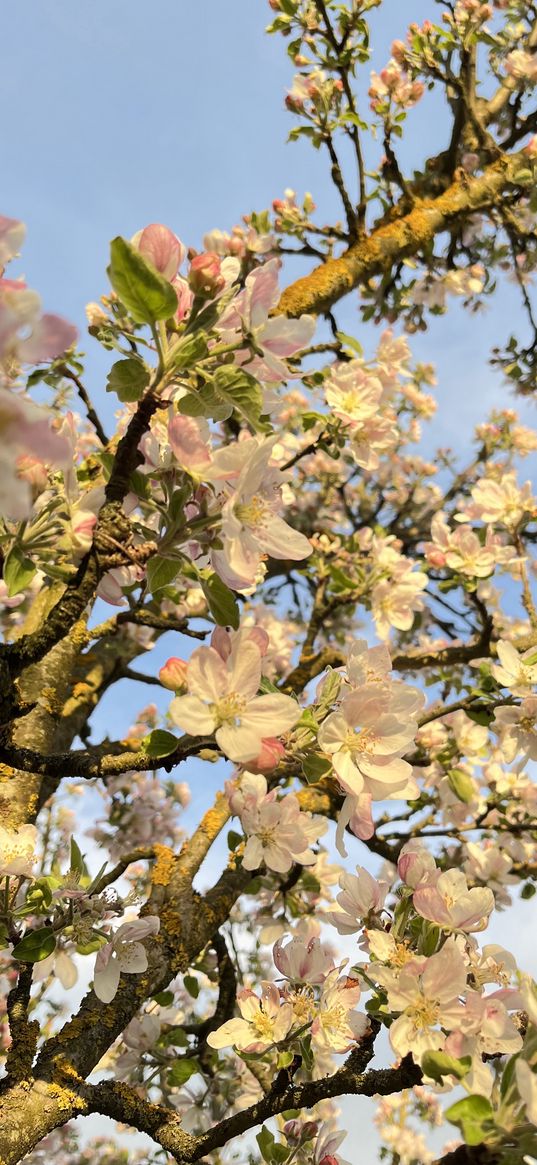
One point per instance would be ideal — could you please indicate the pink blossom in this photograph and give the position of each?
(365, 741)
(18, 851)
(415, 864)
(514, 671)
(517, 727)
(185, 298)
(25, 429)
(251, 523)
(278, 833)
(161, 247)
(123, 954)
(276, 338)
(223, 699)
(265, 1021)
(447, 901)
(426, 993)
(361, 895)
(337, 1026)
(271, 753)
(303, 960)
(190, 443)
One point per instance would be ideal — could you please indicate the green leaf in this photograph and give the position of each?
(350, 342)
(159, 743)
(483, 718)
(315, 767)
(265, 1141)
(439, 1064)
(181, 1071)
(176, 1038)
(470, 1115)
(222, 602)
(18, 571)
(35, 946)
(191, 984)
(461, 784)
(242, 391)
(77, 861)
(188, 351)
(141, 288)
(161, 572)
(234, 839)
(164, 998)
(128, 379)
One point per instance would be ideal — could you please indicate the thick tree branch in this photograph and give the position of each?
(375, 253)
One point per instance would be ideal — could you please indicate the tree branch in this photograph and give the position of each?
(375, 253)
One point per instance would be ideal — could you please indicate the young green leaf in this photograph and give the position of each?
(128, 379)
(35, 946)
(18, 571)
(222, 602)
(145, 293)
(159, 743)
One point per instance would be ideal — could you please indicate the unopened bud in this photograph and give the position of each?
(161, 247)
(204, 277)
(272, 752)
(173, 675)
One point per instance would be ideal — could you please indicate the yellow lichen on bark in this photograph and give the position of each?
(376, 253)
(163, 868)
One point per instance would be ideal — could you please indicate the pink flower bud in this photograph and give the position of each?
(173, 675)
(161, 247)
(204, 276)
(415, 865)
(272, 751)
(184, 298)
(328, 1159)
(531, 147)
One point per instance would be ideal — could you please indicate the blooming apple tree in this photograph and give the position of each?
(344, 627)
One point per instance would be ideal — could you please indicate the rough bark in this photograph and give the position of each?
(376, 253)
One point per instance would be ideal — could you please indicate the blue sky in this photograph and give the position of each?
(123, 113)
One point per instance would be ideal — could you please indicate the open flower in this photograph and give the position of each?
(265, 1021)
(365, 740)
(514, 671)
(361, 895)
(223, 699)
(303, 960)
(17, 851)
(275, 338)
(426, 992)
(447, 901)
(123, 954)
(277, 834)
(337, 1026)
(251, 524)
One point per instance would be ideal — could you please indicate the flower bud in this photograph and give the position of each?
(204, 277)
(161, 247)
(173, 675)
(415, 865)
(271, 753)
(184, 298)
